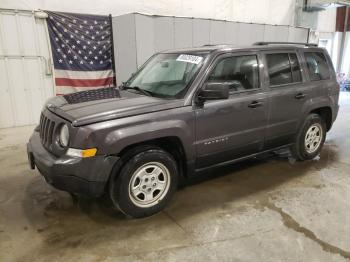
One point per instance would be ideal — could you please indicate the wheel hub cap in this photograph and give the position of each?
(149, 184)
(313, 138)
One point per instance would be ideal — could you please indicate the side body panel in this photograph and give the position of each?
(325, 92)
(230, 128)
(285, 112)
(288, 112)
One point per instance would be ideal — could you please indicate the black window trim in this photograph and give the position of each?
(284, 52)
(221, 56)
(307, 68)
(291, 69)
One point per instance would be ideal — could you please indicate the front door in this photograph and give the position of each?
(234, 127)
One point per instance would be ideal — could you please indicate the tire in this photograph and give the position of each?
(310, 138)
(145, 184)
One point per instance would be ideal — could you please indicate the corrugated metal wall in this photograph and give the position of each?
(25, 72)
(138, 36)
(26, 80)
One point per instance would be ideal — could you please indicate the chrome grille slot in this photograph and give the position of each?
(41, 125)
(44, 130)
(51, 128)
(47, 128)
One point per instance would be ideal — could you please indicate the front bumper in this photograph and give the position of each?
(83, 176)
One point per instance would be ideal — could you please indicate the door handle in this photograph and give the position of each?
(299, 96)
(255, 104)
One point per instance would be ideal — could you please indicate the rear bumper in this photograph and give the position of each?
(83, 176)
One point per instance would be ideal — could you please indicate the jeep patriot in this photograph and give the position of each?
(182, 112)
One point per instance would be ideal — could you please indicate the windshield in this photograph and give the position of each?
(167, 75)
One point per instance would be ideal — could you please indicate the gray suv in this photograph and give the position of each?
(182, 112)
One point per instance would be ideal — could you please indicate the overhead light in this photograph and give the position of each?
(41, 14)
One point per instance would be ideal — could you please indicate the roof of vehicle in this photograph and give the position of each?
(257, 46)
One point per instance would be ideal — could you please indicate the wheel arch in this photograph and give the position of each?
(325, 113)
(171, 144)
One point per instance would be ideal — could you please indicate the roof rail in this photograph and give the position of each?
(284, 43)
(214, 44)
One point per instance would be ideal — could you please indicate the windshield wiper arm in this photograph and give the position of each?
(140, 90)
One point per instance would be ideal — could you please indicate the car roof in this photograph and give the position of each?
(229, 48)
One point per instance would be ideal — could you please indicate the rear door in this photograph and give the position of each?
(234, 127)
(288, 91)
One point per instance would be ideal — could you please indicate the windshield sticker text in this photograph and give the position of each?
(190, 59)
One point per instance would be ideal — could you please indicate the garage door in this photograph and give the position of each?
(25, 70)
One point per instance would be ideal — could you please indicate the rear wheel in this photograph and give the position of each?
(145, 183)
(310, 138)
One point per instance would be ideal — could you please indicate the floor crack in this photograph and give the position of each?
(292, 224)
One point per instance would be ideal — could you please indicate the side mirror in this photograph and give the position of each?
(214, 91)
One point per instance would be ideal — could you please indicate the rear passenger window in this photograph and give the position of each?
(240, 72)
(317, 66)
(283, 68)
(279, 69)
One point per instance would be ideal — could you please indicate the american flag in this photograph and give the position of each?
(81, 48)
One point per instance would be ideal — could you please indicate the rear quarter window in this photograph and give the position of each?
(317, 66)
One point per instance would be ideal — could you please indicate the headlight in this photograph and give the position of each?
(64, 136)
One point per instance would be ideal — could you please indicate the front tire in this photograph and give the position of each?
(310, 138)
(145, 184)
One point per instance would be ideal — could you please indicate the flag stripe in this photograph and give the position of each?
(83, 82)
(83, 74)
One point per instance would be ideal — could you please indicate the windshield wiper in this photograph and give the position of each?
(140, 90)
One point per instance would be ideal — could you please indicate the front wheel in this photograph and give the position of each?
(310, 138)
(145, 183)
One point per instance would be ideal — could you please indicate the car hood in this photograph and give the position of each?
(87, 107)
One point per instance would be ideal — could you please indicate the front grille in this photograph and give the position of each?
(47, 127)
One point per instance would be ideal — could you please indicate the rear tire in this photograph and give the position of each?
(145, 183)
(310, 138)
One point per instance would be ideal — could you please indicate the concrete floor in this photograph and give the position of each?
(269, 209)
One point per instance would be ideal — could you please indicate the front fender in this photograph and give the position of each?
(111, 137)
(119, 139)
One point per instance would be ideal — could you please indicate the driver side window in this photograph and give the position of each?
(239, 72)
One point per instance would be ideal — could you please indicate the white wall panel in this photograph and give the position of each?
(124, 36)
(10, 36)
(42, 41)
(35, 86)
(155, 34)
(297, 34)
(18, 91)
(231, 35)
(276, 33)
(243, 34)
(217, 32)
(256, 33)
(201, 32)
(248, 34)
(144, 38)
(164, 33)
(25, 71)
(183, 32)
(26, 31)
(6, 109)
